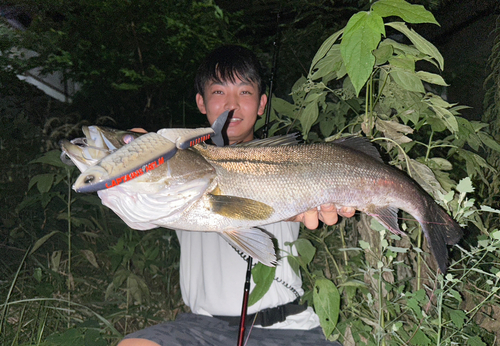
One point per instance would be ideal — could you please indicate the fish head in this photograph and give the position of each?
(99, 142)
(91, 179)
(102, 137)
(76, 151)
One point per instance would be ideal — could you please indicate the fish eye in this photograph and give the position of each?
(89, 179)
(128, 138)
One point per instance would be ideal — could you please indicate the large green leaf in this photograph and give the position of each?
(420, 43)
(52, 157)
(42, 241)
(305, 250)
(362, 35)
(408, 80)
(325, 49)
(330, 63)
(43, 182)
(326, 299)
(308, 117)
(400, 8)
(489, 141)
(263, 276)
(431, 78)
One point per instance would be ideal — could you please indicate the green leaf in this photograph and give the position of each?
(474, 162)
(362, 35)
(309, 116)
(489, 209)
(126, 86)
(394, 130)
(332, 62)
(467, 131)
(305, 250)
(465, 186)
(70, 337)
(400, 48)
(263, 276)
(397, 249)
(326, 298)
(383, 53)
(403, 61)
(431, 78)
(443, 114)
(94, 338)
(412, 303)
(458, 318)
(488, 141)
(475, 341)
(408, 12)
(52, 158)
(420, 43)
(439, 163)
(364, 245)
(42, 241)
(43, 182)
(421, 339)
(408, 80)
(89, 255)
(282, 107)
(325, 49)
(425, 177)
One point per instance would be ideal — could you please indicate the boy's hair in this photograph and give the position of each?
(227, 63)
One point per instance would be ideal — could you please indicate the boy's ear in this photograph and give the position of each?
(201, 103)
(262, 104)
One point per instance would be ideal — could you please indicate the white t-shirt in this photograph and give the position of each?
(212, 277)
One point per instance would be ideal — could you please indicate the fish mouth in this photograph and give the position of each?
(86, 151)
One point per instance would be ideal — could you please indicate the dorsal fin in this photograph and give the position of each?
(289, 139)
(361, 144)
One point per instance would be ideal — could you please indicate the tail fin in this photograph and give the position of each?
(440, 230)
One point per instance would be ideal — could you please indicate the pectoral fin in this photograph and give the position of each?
(253, 242)
(239, 208)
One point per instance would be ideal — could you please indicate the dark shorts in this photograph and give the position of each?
(192, 329)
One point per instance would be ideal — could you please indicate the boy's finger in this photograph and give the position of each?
(311, 218)
(347, 211)
(328, 214)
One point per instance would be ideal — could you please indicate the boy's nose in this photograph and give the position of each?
(231, 103)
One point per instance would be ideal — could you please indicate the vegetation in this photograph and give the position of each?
(73, 273)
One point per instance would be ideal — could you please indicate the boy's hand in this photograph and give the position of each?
(328, 213)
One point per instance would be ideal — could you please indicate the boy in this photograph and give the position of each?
(212, 273)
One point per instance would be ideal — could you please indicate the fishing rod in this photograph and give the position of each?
(273, 73)
(265, 133)
(244, 307)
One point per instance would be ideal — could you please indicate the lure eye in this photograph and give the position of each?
(128, 138)
(89, 179)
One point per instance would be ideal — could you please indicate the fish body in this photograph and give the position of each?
(233, 190)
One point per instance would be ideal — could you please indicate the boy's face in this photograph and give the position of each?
(241, 96)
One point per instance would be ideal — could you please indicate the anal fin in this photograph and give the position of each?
(254, 242)
(388, 216)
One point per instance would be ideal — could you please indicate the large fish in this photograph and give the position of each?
(233, 190)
